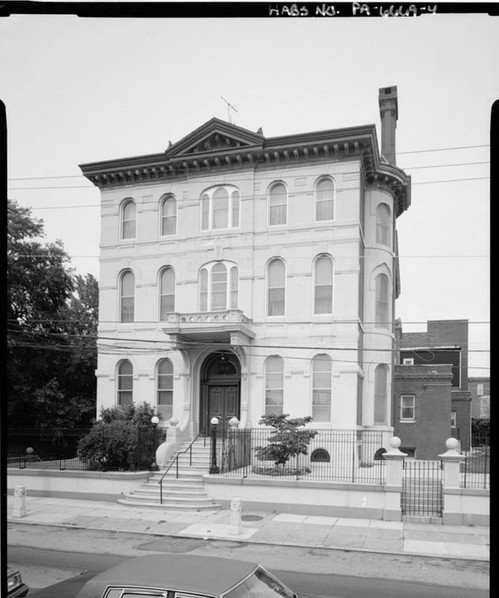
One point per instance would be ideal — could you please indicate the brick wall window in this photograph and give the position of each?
(407, 408)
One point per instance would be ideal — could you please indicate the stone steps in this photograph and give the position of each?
(182, 490)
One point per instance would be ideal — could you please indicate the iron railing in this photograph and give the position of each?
(350, 456)
(422, 493)
(475, 469)
(57, 448)
(175, 462)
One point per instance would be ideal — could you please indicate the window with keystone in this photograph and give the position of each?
(166, 293)
(127, 297)
(168, 216)
(125, 383)
(218, 286)
(321, 391)
(323, 285)
(274, 385)
(128, 219)
(324, 200)
(164, 386)
(220, 208)
(278, 204)
(276, 287)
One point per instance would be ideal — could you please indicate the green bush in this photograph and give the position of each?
(288, 439)
(123, 439)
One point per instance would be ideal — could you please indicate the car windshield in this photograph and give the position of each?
(259, 585)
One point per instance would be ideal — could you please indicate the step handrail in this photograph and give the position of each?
(175, 460)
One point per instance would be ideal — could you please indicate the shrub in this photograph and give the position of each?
(288, 439)
(122, 439)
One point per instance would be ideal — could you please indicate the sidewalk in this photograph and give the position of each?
(461, 542)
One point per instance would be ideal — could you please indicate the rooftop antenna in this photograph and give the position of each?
(229, 108)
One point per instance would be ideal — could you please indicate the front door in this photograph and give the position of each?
(223, 402)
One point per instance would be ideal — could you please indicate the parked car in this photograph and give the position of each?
(15, 586)
(173, 576)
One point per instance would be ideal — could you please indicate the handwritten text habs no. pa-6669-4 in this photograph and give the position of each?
(356, 9)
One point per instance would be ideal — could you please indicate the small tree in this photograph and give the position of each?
(288, 439)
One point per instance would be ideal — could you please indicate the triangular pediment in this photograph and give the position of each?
(215, 136)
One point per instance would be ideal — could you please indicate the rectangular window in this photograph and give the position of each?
(276, 302)
(479, 389)
(127, 309)
(407, 408)
(408, 361)
(453, 419)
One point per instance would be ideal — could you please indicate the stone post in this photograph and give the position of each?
(452, 509)
(452, 464)
(235, 517)
(393, 487)
(19, 501)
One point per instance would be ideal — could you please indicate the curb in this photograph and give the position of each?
(249, 541)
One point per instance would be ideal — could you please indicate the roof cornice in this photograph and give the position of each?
(218, 146)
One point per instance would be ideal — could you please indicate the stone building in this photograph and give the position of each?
(243, 275)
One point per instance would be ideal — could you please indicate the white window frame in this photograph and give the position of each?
(383, 225)
(166, 413)
(122, 297)
(163, 315)
(453, 419)
(270, 359)
(380, 399)
(129, 201)
(206, 289)
(119, 378)
(412, 398)
(172, 200)
(319, 359)
(332, 200)
(270, 205)
(382, 319)
(269, 288)
(408, 361)
(233, 208)
(323, 256)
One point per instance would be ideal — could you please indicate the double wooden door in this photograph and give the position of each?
(223, 403)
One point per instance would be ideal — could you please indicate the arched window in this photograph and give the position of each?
(382, 303)
(169, 216)
(218, 286)
(220, 207)
(324, 200)
(125, 383)
(380, 393)
(164, 388)
(128, 219)
(274, 385)
(320, 455)
(127, 297)
(278, 204)
(321, 388)
(166, 293)
(276, 276)
(383, 224)
(323, 285)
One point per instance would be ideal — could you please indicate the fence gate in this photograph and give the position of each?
(422, 488)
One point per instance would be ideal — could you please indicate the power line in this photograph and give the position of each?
(198, 344)
(239, 182)
(443, 149)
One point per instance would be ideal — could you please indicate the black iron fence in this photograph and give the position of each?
(31, 448)
(475, 469)
(351, 456)
(422, 493)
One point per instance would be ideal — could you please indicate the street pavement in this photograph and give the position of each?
(281, 529)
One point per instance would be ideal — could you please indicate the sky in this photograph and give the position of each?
(80, 90)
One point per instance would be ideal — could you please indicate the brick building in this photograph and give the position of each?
(431, 397)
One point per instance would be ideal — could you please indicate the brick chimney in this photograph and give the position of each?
(388, 108)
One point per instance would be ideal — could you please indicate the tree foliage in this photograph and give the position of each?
(123, 438)
(52, 327)
(289, 438)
